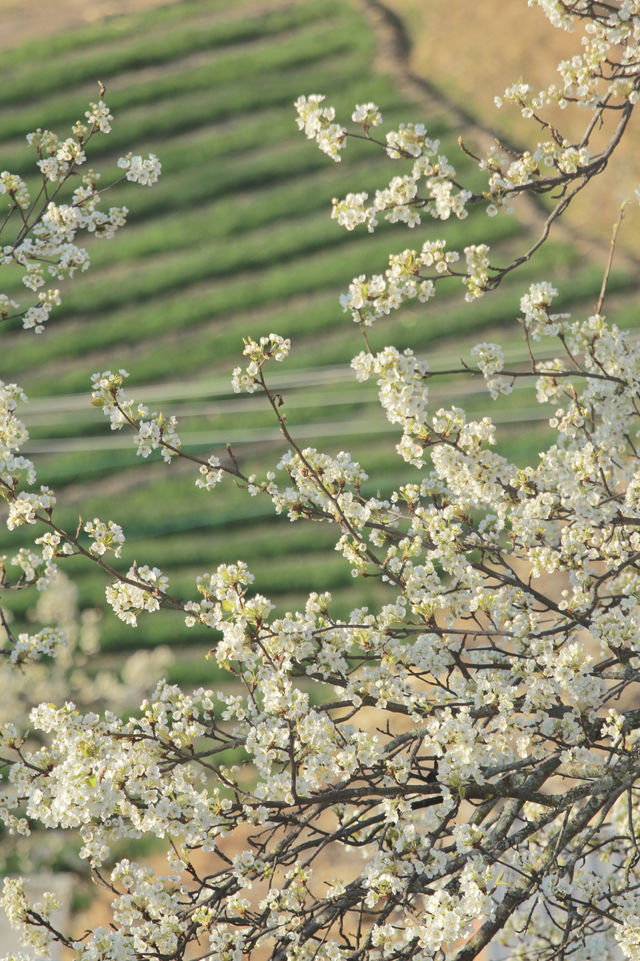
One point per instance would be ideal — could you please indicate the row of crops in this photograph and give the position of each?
(234, 241)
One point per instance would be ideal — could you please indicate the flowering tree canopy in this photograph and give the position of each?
(457, 767)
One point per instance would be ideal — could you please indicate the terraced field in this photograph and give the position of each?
(236, 240)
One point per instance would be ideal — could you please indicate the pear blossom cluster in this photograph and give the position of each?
(210, 474)
(24, 506)
(318, 123)
(153, 430)
(401, 201)
(13, 434)
(367, 114)
(37, 568)
(490, 361)
(19, 912)
(453, 765)
(273, 347)
(45, 244)
(104, 537)
(537, 319)
(140, 171)
(412, 275)
(403, 394)
(31, 647)
(320, 482)
(140, 591)
(370, 298)
(58, 662)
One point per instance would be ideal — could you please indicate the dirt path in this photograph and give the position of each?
(22, 20)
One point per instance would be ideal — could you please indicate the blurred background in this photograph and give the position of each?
(236, 240)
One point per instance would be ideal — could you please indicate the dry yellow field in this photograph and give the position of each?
(473, 51)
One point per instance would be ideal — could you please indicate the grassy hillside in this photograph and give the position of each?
(236, 240)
